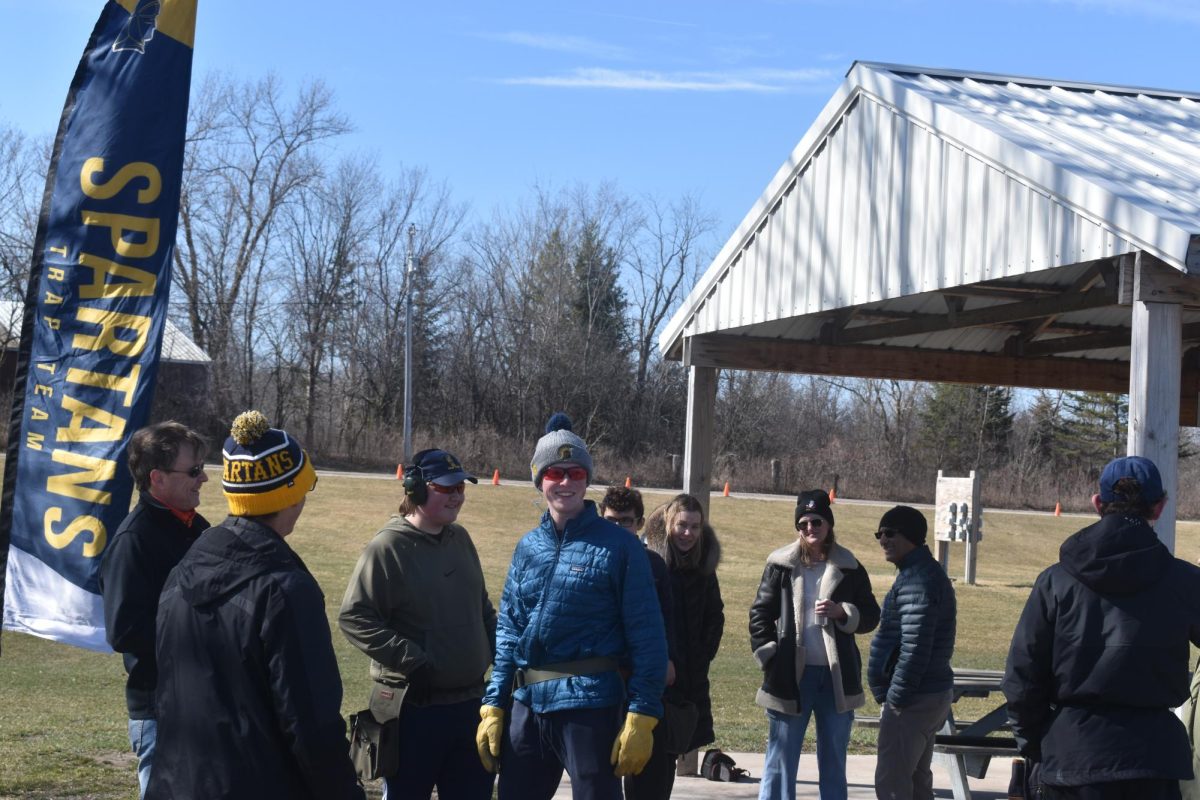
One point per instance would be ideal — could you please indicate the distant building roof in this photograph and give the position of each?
(177, 346)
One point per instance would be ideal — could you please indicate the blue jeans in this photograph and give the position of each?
(142, 735)
(786, 735)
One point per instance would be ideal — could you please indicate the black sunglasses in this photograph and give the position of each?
(192, 472)
(810, 523)
(889, 532)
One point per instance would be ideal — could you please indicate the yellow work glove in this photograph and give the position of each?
(631, 750)
(487, 736)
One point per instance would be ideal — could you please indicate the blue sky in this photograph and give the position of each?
(659, 97)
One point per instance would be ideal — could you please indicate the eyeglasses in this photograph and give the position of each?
(556, 474)
(810, 523)
(458, 488)
(629, 522)
(888, 532)
(192, 472)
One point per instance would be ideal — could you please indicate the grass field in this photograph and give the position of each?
(62, 714)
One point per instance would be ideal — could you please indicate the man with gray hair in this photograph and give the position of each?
(167, 463)
(1100, 655)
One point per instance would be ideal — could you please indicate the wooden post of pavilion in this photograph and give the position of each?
(1155, 361)
(701, 408)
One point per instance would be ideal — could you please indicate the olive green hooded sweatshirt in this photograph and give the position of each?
(417, 599)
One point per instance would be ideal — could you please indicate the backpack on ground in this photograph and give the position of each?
(718, 766)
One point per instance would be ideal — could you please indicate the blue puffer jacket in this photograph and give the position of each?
(586, 594)
(910, 654)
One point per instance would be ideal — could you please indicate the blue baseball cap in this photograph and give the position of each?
(1140, 469)
(442, 468)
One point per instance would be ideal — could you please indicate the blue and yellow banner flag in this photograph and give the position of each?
(94, 315)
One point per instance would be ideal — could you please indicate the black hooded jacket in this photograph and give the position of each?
(699, 619)
(1100, 657)
(249, 695)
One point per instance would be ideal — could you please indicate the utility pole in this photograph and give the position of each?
(410, 281)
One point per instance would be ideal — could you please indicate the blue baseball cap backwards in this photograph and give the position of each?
(1140, 469)
(442, 468)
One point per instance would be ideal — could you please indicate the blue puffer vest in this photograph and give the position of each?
(587, 593)
(910, 654)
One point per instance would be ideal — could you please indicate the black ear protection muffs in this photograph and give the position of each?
(414, 484)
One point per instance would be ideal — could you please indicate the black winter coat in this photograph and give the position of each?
(249, 695)
(776, 632)
(910, 654)
(135, 565)
(1100, 657)
(699, 622)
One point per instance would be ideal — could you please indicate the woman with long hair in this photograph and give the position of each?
(813, 598)
(680, 534)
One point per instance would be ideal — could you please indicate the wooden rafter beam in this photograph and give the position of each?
(1119, 337)
(1060, 327)
(724, 351)
(832, 329)
(1150, 279)
(1033, 328)
(905, 363)
(982, 317)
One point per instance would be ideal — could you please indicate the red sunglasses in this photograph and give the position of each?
(556, 474)
(458, 488)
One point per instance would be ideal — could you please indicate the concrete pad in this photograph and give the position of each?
(860, 774)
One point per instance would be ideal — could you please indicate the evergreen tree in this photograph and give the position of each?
(599, 302)
(966, 427)
(1094, 432)
(1047, 422)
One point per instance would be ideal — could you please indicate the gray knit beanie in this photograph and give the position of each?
(559, 445)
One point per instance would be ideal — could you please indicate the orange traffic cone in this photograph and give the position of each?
(496, 478)
(399, 472)
(1058, 509)
(832, 496)
(727, 488)
(628, 482)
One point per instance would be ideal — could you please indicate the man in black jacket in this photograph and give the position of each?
(167, 463)
(249, 695)
(1100, 654)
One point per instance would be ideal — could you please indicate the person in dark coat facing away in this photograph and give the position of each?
(1100, 654)
(680, 534)
(249, 695)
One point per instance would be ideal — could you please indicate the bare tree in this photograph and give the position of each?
(321, 235)
(22, 177)
(250, 152)
(375, 356)
(668, 259)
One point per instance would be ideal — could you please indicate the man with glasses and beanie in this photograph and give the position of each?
(1100, 654)
(417, 605)
(578, 604)
(909, 667)
(167, 464)
(249, 695)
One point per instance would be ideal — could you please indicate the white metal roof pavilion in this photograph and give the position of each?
(969, 227)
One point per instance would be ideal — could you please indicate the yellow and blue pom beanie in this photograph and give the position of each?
(265, 469)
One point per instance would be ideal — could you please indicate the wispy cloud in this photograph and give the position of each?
(559, 43)
(760, 80)
(648, 20)
(1177, 10)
